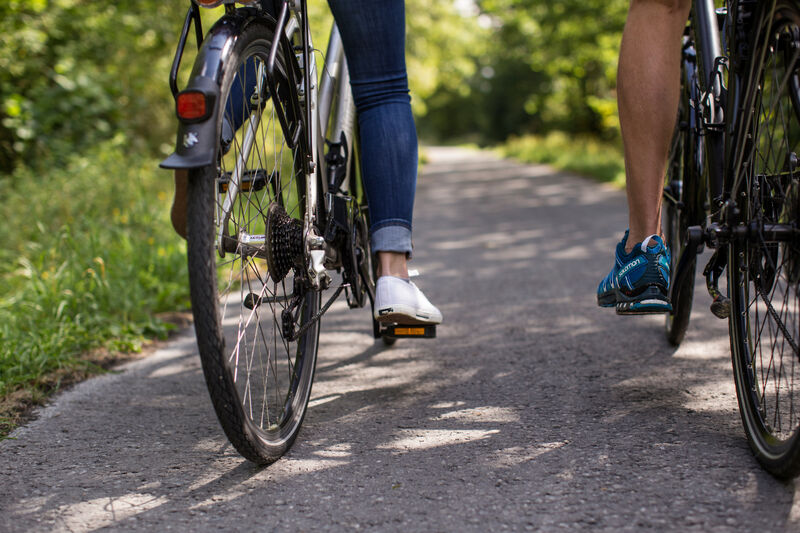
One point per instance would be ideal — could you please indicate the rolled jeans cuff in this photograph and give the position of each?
(392, 238)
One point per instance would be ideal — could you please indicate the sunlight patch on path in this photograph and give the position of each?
(422, 439)
(103, 512)
(481, 414)
(516, 455)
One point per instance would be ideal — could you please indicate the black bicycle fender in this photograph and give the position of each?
(197, 142)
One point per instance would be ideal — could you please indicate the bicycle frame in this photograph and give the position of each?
(713, 92)
(710, 204)
(704, 78)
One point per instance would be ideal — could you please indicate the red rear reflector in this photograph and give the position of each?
(191, 105)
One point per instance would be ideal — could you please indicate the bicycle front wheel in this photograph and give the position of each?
(763, 272)
(246, 262)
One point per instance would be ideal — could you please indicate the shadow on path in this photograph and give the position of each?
(533, 409)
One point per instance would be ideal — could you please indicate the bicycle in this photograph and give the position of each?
(275, 205)
(732, 186)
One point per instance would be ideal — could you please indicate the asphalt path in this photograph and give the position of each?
(533, 409)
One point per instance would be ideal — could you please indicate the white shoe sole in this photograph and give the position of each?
(404, 314)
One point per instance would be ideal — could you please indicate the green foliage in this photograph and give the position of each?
(545, 66)
(584, 155)
(76, 72)
(442, 44)
(89, 257)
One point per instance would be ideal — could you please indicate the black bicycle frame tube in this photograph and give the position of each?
(693, 197)
(709, 45)
(192, 15)
(708, 40)
(747, 17)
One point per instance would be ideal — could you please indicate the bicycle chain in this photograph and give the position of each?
(293, 337)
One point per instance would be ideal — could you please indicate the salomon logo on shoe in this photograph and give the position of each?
(630, 266)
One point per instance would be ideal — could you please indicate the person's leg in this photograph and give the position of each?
(373, 35)
(648, 87)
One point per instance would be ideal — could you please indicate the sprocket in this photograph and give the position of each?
(284, 242)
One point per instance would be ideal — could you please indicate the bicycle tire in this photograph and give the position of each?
(259, 380)
(681, 179)
(762, 274)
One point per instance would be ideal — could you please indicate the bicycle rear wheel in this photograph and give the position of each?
(681, 188)
(763, 273)
(259, 377)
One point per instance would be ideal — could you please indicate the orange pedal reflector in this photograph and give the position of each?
(402, 331)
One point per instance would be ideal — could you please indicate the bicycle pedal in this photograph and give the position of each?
(400, 331)
(721, 307)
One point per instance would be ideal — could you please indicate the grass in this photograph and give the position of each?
(586, 156)
(88, 264)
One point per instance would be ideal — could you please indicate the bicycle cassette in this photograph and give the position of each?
(284, 242)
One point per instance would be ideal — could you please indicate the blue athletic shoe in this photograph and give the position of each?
(639, 282)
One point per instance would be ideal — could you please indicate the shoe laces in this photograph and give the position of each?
(646, 242)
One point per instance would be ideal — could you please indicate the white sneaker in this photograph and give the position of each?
(400, 301)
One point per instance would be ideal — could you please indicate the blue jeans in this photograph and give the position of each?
(373, 34)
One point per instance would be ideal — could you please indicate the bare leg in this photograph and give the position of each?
(648, 87)
(393, 264)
